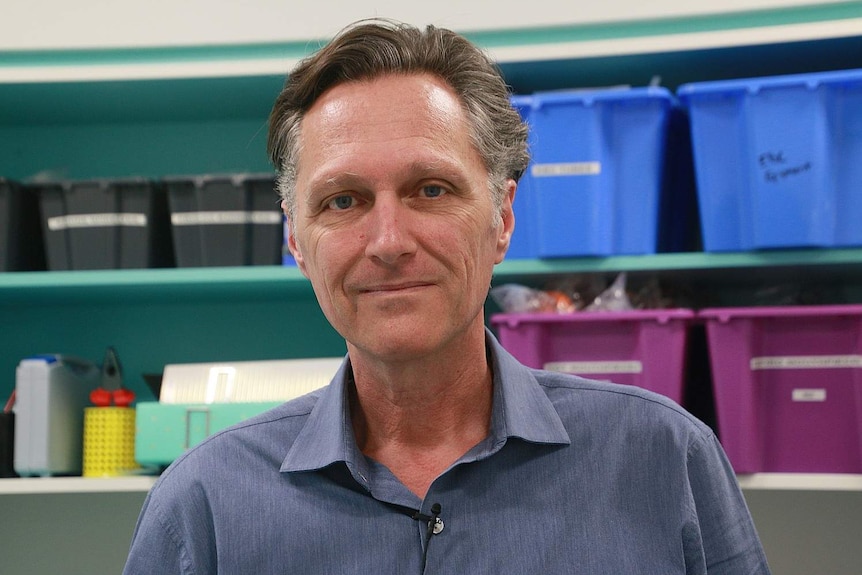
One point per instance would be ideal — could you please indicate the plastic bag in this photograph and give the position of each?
(516, 298)
(614, 298)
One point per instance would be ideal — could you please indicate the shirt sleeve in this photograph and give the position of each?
(727, 536)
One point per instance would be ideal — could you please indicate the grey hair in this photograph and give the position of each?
(373, 48)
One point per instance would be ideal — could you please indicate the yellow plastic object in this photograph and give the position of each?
(109, 441)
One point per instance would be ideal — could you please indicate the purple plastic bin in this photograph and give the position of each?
(645, 348)
(788, 387)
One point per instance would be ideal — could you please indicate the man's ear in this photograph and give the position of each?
(507, 216)
(292, 245)
(296, 253)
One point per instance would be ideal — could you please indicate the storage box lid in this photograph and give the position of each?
(727, 313)
(753, 85)
(658, 315)
(589, 97)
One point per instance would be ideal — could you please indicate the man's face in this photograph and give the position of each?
(394, 225)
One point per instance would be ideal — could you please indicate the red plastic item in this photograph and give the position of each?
(122, 397)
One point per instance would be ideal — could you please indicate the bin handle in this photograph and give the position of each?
(196, 409)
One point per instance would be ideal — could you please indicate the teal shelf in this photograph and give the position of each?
(266, 282)
(846, 261)
(178, 284)
(261, 283)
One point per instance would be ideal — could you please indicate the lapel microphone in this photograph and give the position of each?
(435, 524)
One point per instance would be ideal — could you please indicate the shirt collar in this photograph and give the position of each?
(521, 409)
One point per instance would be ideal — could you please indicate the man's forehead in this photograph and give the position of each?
(377, 112)
(423, 92)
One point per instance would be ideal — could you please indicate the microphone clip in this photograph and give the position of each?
(435, 524)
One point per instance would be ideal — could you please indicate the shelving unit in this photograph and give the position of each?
(196, 110)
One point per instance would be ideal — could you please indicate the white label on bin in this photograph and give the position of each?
(71, 221)
(812, 395)
(566, 169)
(225, 217)
(578, 367)
(806, 362)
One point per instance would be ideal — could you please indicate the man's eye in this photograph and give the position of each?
(433, 191)
(341, 203)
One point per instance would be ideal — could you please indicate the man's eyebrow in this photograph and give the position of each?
(435, 167)
(338, 180)
(344, 178)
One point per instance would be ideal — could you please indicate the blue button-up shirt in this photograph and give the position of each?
(575, 476)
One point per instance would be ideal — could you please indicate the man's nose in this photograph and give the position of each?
(389, 230)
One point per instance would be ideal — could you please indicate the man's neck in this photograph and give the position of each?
(419, 418)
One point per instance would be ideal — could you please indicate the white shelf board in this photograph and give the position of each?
(229, 68)
(801, 482)
(47, 485)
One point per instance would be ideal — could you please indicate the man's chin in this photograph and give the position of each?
(396, 341)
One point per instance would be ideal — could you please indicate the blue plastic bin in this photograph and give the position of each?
(523, 244)
(778, 160)
(597, 167)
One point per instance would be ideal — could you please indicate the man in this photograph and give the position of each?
(433, 450)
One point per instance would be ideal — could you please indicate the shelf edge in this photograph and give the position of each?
(801, 482)
(71, 485)
(172, 278)
(684, 261)
(149, 277)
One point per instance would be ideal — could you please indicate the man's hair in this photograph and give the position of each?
(370, 49)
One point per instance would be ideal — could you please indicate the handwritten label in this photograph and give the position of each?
(776, 167)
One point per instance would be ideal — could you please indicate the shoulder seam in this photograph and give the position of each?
(679, 410)
(162, 519)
